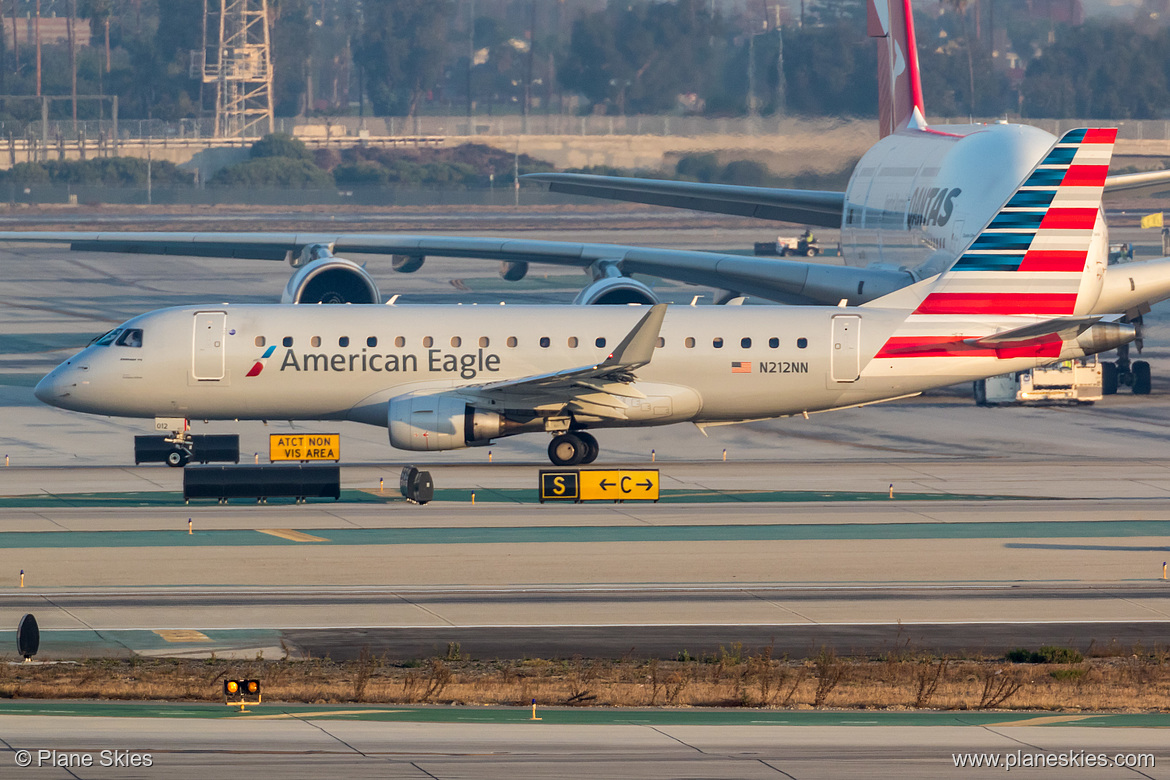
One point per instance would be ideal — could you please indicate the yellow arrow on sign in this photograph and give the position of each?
(619, 485)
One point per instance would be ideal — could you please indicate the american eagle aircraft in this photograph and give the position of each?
(1022, 292)
(916, 198)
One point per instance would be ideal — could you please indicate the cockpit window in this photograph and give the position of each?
(107, 339)
(132, 337)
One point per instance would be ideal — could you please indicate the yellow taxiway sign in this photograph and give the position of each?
(599, 485)
(304, 446)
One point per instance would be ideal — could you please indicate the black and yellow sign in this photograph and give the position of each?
(599, 485)
(304, 446)
(559, 486)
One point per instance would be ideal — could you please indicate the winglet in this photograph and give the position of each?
(637, 348)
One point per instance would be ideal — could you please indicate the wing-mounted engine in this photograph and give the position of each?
(610, 287)
(445, 421)
(321, 277)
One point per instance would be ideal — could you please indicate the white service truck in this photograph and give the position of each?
(1076, 381)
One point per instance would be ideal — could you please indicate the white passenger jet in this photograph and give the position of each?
(1021, 293)
(915, 199)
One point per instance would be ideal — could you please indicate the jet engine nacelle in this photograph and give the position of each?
(331, 280)
(615, 290)
(440, 422)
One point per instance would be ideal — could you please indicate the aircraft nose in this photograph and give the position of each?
(55, 387)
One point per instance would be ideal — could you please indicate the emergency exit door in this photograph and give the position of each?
(846, 341)
(207, 352)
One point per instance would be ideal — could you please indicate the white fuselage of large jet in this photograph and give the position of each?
(919, 196)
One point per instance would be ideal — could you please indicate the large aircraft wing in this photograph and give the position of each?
(1134, 182)
(803, 207)
(781, 280)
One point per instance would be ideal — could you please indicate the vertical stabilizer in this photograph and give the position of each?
(899, 84)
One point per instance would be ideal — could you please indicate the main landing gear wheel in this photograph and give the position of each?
(178, 457)
(592, 448)
(1141, 377)
(568, 449)
(1108, 378)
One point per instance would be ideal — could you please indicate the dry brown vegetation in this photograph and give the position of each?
(1135, 679)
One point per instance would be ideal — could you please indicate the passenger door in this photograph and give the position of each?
(207, 349)
(846, 360)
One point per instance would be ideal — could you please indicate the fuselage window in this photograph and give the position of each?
(572, 342)
(774, 342)
(343, 341)
(600, 342)
(690, 342)
(287, 341)
(545, 341)
(456, 341)
(717, 342)
(512, 341)
(802, 343)
(428, 341)
(400, 341)
(484, 341)
(259, 341)
(371, 341)
(315, 341)
(132, 337)
(745, 343)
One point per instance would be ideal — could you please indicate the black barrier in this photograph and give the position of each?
(28, 637)
(302, 481)
(415, 485)
(205, 448)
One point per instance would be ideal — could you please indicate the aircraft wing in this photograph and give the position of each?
(1135, 182)
(594, 389)
(781, 280)
(803, 207)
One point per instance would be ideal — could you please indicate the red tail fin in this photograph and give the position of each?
(899, 84)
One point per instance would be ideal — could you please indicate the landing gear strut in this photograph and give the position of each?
(571, 449)
(182, 445)
(1135, 374)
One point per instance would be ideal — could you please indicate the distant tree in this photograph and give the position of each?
(402, 49)
(639, 58)
(280, 145)
(292, 47)
(831, 70)
(1102, 70)
(272, 172)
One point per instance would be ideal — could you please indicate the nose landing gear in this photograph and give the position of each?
(571, 449)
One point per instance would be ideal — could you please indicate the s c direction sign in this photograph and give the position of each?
(599, 485)
(559, 486)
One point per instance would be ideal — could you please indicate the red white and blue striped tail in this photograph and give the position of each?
(1032, 257)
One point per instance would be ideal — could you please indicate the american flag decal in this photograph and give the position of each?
(738, 367)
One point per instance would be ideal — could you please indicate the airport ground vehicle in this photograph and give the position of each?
(790, 245)
(1078, 381)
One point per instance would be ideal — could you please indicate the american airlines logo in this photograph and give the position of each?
(258, 366)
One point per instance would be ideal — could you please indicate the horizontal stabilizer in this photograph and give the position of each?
(1066, 327)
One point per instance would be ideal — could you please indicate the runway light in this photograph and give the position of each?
(252, 687)
(231, 687)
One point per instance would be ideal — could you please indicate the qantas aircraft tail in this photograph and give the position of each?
(899, 84)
